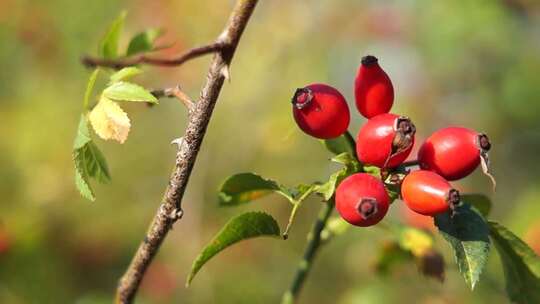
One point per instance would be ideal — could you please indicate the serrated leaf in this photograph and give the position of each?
(342, 144)
(347, 159)
(468, 234)
(125, 74)
(480, 202)
(327, 189)
(89, 88)
(246, 187)
(108, 47)
(83, 186)
(110, 121)
(89, 161)
(242, 227)
(126, 91)
(351, 166)
(143, 41)
(83, 134)
(521, 265)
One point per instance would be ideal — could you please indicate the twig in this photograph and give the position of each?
(118, 63)
(314, 242)
(171, 209)
(178, 94)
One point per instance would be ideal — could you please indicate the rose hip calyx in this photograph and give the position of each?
(302, 98)
(404, 137)
(369, 60)
(483, 142)
(453, 199)
(367, 207)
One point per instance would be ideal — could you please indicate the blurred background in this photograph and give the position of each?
(469, 62)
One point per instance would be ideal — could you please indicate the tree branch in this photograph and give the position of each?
(171, 210)
(177, 93)
(314, 243)
(218, 46)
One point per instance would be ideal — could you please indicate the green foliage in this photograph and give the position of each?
(242, 227)
(480, 202)
(352, 166)
(89, 161)
(245, 187)
(90, 88)
(126, 91)
(108, 47)
(468, 234)
(521, 265)
(342, 144)
(143, 41)
(124, 74)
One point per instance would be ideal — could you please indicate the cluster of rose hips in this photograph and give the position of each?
(385, 141)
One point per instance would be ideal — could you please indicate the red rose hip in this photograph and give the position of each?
(428, 193)
(385, 141)
(361, 200)
(321, 111)
(373, 89)
(455, 152)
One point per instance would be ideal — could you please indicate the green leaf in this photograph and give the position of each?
(347, 159)
(89, 161)
(83, 134)
(468, 234)
(341, 144)
(246, 187)
(521, 265)
(351, 166)
(143, 41)
(90, 88)
(480, 202)
(108, 47)
(82, 184)
(125, 74)
(126, 91)
(242, 227)
(327, 189)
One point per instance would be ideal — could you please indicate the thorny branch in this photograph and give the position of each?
(171, 206)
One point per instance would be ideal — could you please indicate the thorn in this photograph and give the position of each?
(226, 72)
(178, 142)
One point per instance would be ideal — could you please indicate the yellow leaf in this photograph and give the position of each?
(109, 120)
(417, 241)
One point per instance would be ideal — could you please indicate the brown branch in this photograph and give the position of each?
(170, 210)
(119, 63)
(177, 93)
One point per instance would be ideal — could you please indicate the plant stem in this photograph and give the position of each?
(171, 206)
(119, 63)
(314, 243)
